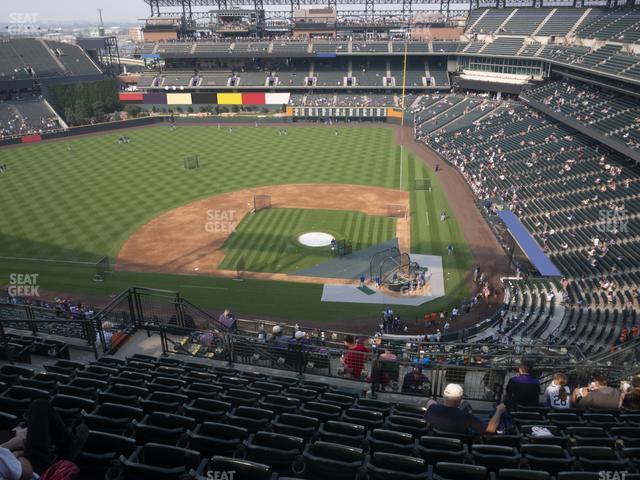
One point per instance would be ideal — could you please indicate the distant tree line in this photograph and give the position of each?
(84, 103)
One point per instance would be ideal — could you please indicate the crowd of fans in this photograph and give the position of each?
(13, 122)
(331, 100)
(60, 307)
(591, 105)
(523, 390)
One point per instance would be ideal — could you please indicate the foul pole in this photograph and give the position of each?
(404, 85)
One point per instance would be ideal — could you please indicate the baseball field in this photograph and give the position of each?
(66, 204)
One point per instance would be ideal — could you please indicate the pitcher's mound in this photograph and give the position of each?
(315, 239)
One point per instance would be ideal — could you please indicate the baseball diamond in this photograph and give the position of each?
(320, 240)
(157, 219)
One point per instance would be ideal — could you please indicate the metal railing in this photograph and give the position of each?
(185, 329)
(482, 369)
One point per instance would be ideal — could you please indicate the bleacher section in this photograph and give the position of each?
(214, 79)
(438, 71)
(415, 71)
(613, 114)
(74, 59)
(491, 21)
(29, 57)
(36, 55)
(204, 48)
(330, 47)
(251, 47)
(530, 49)
(370, 47)
(177, 79)
(290, 47)
(330, 72)
(447, 46)
(503, 46)
(26, 116)
(525, 21)
(619, 24)
(370, 71)
(445, 111)
(561, 22)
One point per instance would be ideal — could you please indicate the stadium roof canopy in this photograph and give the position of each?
(528, 244)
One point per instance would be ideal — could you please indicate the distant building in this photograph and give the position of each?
(135, 34)
(96, 31)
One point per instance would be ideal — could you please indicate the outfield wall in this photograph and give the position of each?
(73, 131)
(392, 115)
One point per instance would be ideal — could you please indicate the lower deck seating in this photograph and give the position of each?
(529, 162)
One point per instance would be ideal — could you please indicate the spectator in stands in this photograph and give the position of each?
(228, 321)
(597, 395)
(206, 339)
(558, 393)
(107, 333)
(631, 396)
(31, 450)
(300, 338)
(415, 381)
(354, 358)
(449, 417)
(277, 334)
(384, 369)
(524, 388)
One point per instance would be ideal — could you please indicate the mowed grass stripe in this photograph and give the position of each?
(268, 241)
(246, 245)
(278, 234)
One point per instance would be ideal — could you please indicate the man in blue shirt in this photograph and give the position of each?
(449, 417)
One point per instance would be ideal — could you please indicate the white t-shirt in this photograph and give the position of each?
(10, 468)
(553, 396)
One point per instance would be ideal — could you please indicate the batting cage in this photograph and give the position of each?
(104, 267)
(191, 163)
(260, 202)
(391, 266)
(423, 184)
(378, 259)
(396, 211)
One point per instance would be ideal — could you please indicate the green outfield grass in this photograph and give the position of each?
(66, 204)
(267, 240)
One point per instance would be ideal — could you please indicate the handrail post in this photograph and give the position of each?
(32, 323)
(230, 349)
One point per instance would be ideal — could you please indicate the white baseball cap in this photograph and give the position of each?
(452, 391)
(299, 334)
(276, 329)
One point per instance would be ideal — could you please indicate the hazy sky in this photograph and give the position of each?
(70, 10)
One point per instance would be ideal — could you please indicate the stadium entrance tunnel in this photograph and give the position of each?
(315, 239)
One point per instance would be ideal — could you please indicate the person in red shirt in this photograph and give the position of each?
(354, 358)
